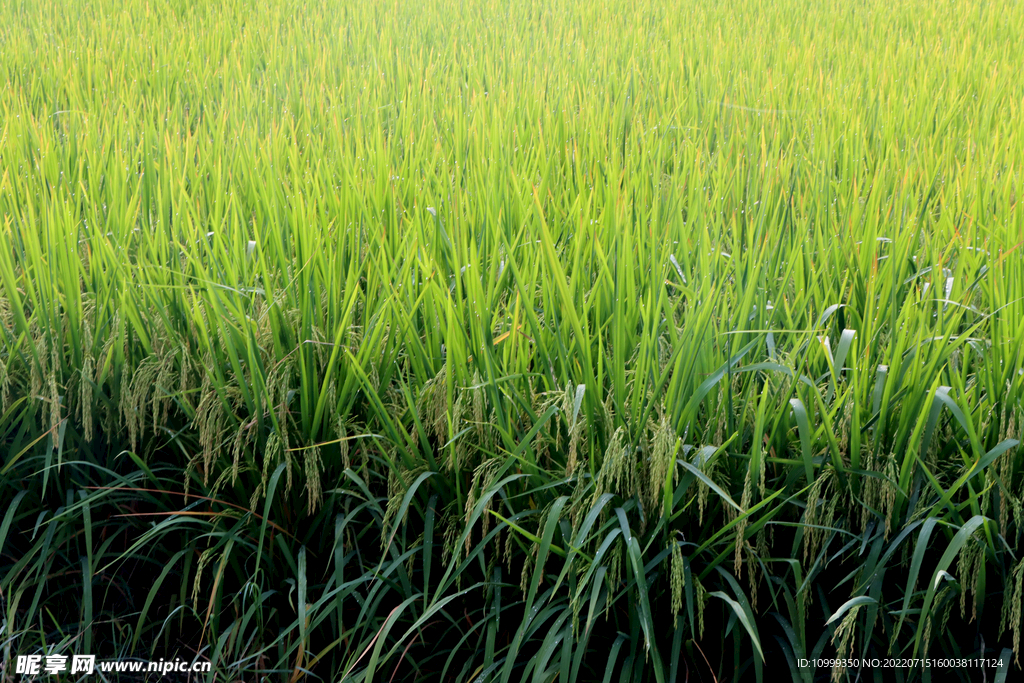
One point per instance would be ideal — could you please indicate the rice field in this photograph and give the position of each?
(513, 341)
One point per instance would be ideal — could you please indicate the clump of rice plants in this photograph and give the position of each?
(492, 341)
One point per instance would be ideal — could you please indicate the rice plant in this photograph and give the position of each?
(493, 341)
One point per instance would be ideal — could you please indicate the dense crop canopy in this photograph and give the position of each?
(698, 314)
